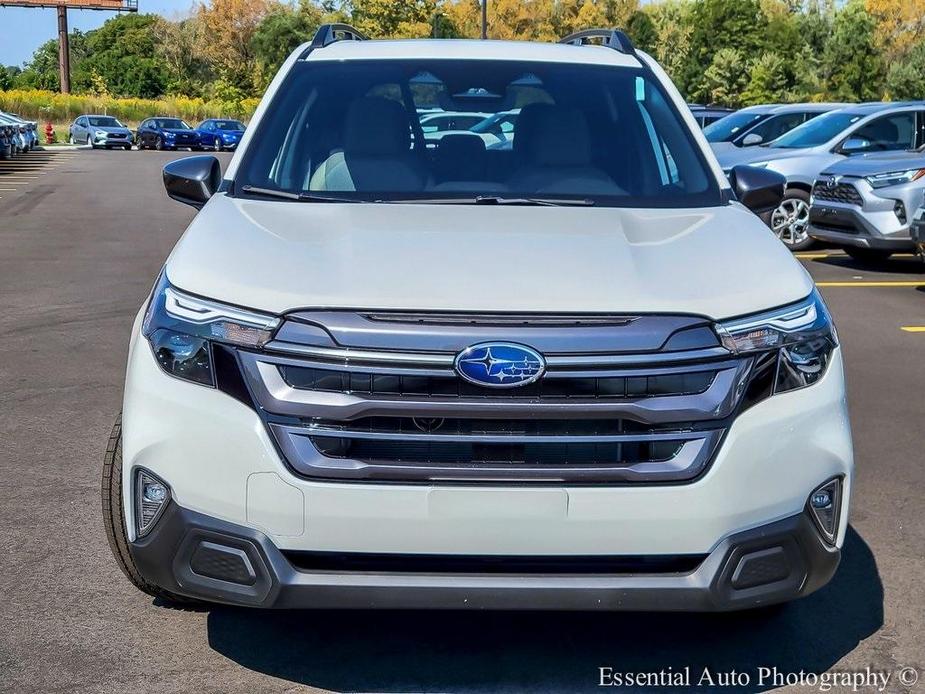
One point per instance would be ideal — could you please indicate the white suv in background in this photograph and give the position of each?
(576, 373)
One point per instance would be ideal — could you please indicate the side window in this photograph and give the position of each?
(774, 127)
(82, 122)
(887, 133)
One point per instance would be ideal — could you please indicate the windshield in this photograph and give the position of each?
(172, 123)
(728, 128)
(818, 131)
(104, 122)
(592, 134)
(228, 125)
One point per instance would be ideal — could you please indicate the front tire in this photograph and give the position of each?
(790, 220)
(114, 519)
(159, 144)
(90, 142)
(868, 256)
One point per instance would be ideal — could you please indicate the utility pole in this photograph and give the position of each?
(64, 51)
(484, 19)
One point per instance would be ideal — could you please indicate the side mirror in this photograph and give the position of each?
(752, 139)
(853, 145)
(760, 190)
(193, 180)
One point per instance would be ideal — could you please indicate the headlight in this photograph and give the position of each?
(170, 135)
(895, 178)
(792, 345)
(182, 329)
(759, 164)
(100, 133)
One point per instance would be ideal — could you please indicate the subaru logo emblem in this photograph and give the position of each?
(832, 182)
(500, 365)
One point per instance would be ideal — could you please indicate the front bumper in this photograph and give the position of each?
(201, 557)
(872, 223)
(227, 476)
(112, 141)
(917, 232)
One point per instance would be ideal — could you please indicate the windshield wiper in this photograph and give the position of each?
(497, 200)
(298, 197)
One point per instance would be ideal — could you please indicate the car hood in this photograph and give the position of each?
(280, 256)
(178, 131)
(109, 129)
(883, 162)
(721, 147)
(746, 155)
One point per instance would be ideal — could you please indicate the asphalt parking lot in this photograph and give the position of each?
(82, 236)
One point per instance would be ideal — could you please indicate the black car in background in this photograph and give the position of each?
(704, 115)
(166, 133)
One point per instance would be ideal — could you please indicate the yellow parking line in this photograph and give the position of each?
(913, 328)
(871, 284)
(816, 256)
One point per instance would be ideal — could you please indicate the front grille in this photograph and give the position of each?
(367, 413)
(116, 136)
(566, 386)
(839, 192)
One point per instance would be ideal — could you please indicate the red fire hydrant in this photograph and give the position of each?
(49, 134)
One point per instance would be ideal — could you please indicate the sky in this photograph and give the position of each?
(23, 29)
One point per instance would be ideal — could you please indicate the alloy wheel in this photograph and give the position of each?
(790, 221)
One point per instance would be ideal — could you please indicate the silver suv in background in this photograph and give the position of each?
(918, 231)
(756, 125)
(865, 204)
(805, 152)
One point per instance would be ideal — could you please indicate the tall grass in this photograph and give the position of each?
(43, 106)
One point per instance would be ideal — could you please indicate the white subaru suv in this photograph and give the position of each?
(570, 371)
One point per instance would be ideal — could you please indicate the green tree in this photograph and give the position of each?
(725, 79)
(642, 31)
(41, 71)
(906, 77)
(673, 21)
(391, 19)
(9, 75)
(767, 80)
(123, 53)
(280, 32)
(720, 25)
(851, 63)
(186, 69)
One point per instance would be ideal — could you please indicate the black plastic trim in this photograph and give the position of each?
(163, 558)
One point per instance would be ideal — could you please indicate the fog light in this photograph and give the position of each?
(900, 211)
(154, 492)
(151, 497)
(825, 507)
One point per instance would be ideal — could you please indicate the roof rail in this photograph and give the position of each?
(331, 33)
(612, 38)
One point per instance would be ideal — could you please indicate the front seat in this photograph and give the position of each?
(460, 157)
(377, 155)
(557, 156)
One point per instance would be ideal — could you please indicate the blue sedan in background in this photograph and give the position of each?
(219, 134)
(166, 133)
